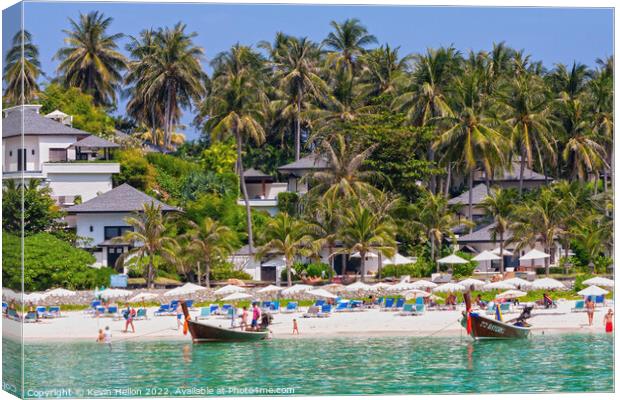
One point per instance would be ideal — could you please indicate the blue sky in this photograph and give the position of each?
(553, 35)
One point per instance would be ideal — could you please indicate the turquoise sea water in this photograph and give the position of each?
(405, 365)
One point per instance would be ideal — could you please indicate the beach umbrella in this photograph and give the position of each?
(358, 286)
(228, 289)
(517, 282)
(237, 296)
(33, 297)
(270, 289)
(599, 281)
(370, 254)
(471, 281)
(486, 256)
(381, 286)
(505, 252)
(449, 288)
(184, 290)
(452, 259)
(511, 294)
(534, 254)
(548, 284)
(111, 293)
(143, 297)
(334, 287)
(592, 291)
(423, 284)
(500, 285)
(295, 289)
(59, 292)
(402, 287)
(398, 259)
(10, 294)
(321, 293)
(414, 293)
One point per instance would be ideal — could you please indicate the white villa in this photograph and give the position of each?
(70, 161)
(102, 218)
(262, 191)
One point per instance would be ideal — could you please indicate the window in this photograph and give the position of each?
(110, 232)
(21, 159)
(57, 155)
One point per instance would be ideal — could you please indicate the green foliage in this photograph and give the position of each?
(463, 270)
(288, 202)
(135, 170)
(86, 116)
(220, 157)
(173, 166)
(225, 270)
(312, 270)
(579, 285)
(40, 211)
(49, 262)
(197, 183)
(421, 268)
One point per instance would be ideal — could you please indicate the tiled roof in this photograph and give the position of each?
(312, 161)
(33, 123)
(94, 141)
(514, 173)
(123, 198)
(254, 173)
(479, 193)
(481, 235)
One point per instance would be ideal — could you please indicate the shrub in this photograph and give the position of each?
(397, 271)
(579, 285)
(462, 270)
(135, 170)
(227, 270)
(288, 202)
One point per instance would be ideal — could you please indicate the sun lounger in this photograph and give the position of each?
(41, 311)
(326, 310)
(378, 301)
(599, 301)
(112, 311)
(505, 308)
(53, 312)
(12, 314)
(214, 309)
(419, 309)
(490, 309)
(291, 307)
(225, 309)
(400, 303)
(407, 310)
(389, 304)
(265, 305)
(100, 311)
(164, 309)
(313, 312)
(580, 305)
(319, 303)
(31, 316)
(190, 303)
(205, 313)
(342, 306)
(141, 314)
(5, 306)
(275, 307)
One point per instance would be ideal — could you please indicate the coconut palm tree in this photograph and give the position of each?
(499, 206)
(347, 42)
(167, 69)
(323, 214)
(289, 237)
(211, 241)
(91, 60)
(148, 238)
(21, 70)
(382, 70)
(363, 232)
(572, 83)
(297, 71)
(235, 106)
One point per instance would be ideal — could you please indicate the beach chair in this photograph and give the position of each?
(342, 306)
(599, 301)
(400, 303)
(41, 311)
(580, 305)
(326, 310)
(313, 312)
(356, 305)
(225, 309)
(141, 314)
(5, 306)
(419, 300)
(505, 308)
(164, 309)
(419, 309)
(389, 303)
(31, 316)
(265, 305)
(214, 309)
(205, 313)
(93, 307)
(12, 314)
(319, 303)
(99, 311)
(275, 307)
(291, 307)
(112, 311)
(190, 304)
(490, 309)
(407, 310)
(53, 312)
(378, 301)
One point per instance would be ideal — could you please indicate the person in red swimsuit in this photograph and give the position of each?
(608, 321)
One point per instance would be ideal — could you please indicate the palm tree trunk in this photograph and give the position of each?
(363, 266)
(207, 273)
(501, 252)
(521, 170)
(431, 159)
(149, 274)
(605, 179)
(547, 261)
(433, 252)
(198, 270)
(167, 117)
(448, 179)
(379, 264)
(488, 183)
(244, 190)
(331, 258)
(298, 129)
(471, 198)
(289, 278)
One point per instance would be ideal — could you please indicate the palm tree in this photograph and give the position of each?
(298, 74)
(571, 83)
(166, 69)
(499, 206)
(22, 69)
(212, 242)
(529, 118)
(148, 238)
(287, 236)
(364, 232)
(323, 214)
(91, 60)
(235, 107)
(348, 40)
(382, 70)
(595, 234)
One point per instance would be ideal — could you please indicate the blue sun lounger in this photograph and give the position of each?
(141, 314)
(31, 316)
(53, 312)
(205, 313)
(319, 303)
(225, 309)
(407, 310)
(580, 305)
(419, 309)
(214, 309)
(342, 306)
(389, 303)
(326, 309)
(400, 303)
(291, 307)
(41, 311)
(275, 307)
(164, 309)
(5, 306)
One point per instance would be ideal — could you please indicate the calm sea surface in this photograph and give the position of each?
(560, 363)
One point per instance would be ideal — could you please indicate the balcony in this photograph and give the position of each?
(81, 167)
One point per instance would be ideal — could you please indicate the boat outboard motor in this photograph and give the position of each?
(525, 314)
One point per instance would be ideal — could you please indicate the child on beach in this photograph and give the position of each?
(608, 321)
(107, 336)
(101, 336)
(244, 319)
(295, 327)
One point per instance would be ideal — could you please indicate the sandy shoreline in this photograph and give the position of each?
(77, 326)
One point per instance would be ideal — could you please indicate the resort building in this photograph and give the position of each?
(509, 177)
(262, 191)
(295, 171)
(479, 192)
(73, 163)
(102, 218)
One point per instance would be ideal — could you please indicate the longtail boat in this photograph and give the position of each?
(482, 327)
(202, 332)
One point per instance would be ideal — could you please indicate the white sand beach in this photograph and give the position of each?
(79, 326)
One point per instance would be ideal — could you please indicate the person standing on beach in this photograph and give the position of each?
(590, 310)
(244, 319)
(295, 327)
(608, 321)
(255, 316)
(100, 336)
(179, 316)
(129, 314)
(107, 336)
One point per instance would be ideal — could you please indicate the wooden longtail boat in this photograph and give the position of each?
(482, 327)
(202, 332)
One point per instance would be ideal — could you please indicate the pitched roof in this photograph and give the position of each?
(123, 198)
(94, 141)
(482, 235)
(312, 161)
(514, 173)
(479, 192)
(33, 123)
(254, 173)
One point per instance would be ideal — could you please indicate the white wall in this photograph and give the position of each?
(98, 221)
(9, 149)
(86, 185)
(55, 142)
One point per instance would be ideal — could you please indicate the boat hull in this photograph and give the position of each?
(208, 333)
(488, 328)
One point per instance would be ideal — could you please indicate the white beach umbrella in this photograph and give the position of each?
(334, 287)
(547, 283)
(275, 262)
(59, 292)
(358, 286)
(452, 259)
(321, 293)
(511, 294)
(449, 288)
(185, 290)
(270, 289)
(477, 283)
(517, 282)
(228, 289)
(500, 285)
(10, 294)
(398, 259)
(33, 297)
(295, 289)
(237, 296)
(592, 291)
(370, 254)
(111, 293)
(505, 252)
(486, 256)
(534, 254)
(402, 287)
(423, 284)
(599, 281)
(143, 297)
(414, 293)
(381, 286)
